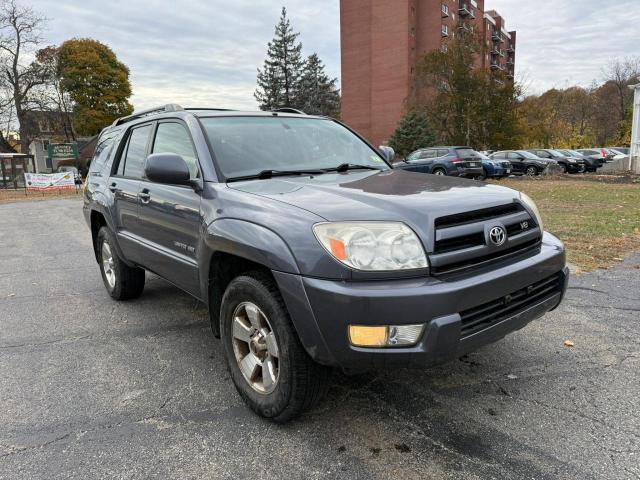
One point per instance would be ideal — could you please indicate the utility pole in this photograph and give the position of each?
(634, 154)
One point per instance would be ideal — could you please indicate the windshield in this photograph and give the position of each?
(555, 153)
(245, 146)
(526, 154)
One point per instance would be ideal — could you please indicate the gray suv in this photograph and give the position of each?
(309, 250)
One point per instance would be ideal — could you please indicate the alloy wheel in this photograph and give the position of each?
(255, 348)
(108, 265)
(532, 171)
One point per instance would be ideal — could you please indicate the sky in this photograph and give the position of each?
(206, 52)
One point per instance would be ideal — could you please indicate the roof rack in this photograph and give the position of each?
(169, 107)
(289, 110)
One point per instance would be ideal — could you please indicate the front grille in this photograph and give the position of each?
(477, 215)
(461, 240)
(484, 316)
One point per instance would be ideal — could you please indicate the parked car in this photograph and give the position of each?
(616, 154)
(590, 164)
(494, 168)
(567, 163)
(597, 155)
(623, 150)
(452, 161)
(524, 162)
(309, 250)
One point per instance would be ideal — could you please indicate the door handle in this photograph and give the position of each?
(113, 187)
(144, 196)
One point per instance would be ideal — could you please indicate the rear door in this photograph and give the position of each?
(424, 161)
(517, 161)
(170, 221)
(124, 183)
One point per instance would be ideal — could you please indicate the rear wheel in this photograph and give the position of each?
(484, 175)
(268, 365)
(439, 171)
(531, 171)
(121, 281)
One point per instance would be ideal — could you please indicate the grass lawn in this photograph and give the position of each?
(597, 217)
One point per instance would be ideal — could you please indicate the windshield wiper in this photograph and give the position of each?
(266, 174)
(351, 166)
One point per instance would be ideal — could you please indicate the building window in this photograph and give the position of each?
(445, 30)
(445, 10)
(413, 31)
(413, 11)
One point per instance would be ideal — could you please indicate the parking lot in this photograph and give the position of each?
(91, 388)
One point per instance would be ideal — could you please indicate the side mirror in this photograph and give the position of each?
(387, 152)
(167, 168)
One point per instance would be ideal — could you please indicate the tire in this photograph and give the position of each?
(484, 175)
(253, 300)
(121, 281)
(563, 168)
(439, 171)
(531, 171)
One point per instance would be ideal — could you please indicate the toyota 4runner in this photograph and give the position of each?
(308, 248)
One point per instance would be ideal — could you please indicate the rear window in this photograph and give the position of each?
(466, 152)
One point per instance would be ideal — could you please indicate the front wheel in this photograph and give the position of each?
(531, 171)
(484, 175)
(439, 171)
(268, 365)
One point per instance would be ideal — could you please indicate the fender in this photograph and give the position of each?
(244, 239)
(99, 204)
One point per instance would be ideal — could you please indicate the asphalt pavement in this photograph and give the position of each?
(92, 388)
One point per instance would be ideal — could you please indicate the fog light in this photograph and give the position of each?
(385, 336)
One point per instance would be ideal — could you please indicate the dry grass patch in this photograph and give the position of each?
(599, 221)
(21, 195)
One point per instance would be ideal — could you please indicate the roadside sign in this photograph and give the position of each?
(62, 150)
(53, 181)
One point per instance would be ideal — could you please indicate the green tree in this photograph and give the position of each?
(318, 93)
(96, 82)
(279, 79)
(413, 132)
(466, 104)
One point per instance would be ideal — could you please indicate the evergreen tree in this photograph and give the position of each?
(319, 94)
(279, 78)
(413, 132)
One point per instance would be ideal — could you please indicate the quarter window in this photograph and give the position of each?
(132, 165)
(174, 138)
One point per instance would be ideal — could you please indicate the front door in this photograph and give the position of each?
(170, 221)
(124, 183)
(516, 162)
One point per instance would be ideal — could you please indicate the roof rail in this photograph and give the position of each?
(169, 107)
(289, 110)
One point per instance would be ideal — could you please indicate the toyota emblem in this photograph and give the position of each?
(498, 236)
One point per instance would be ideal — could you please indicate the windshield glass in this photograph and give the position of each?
(555, 153)
(526, 154)
(245, 146)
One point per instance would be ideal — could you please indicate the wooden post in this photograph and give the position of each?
(4, 178)
(13, 173)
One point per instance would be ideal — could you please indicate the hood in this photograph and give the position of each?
(371, 195)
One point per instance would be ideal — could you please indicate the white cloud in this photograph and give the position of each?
(206, 52)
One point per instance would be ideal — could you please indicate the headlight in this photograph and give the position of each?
(372, 246)
(534, 208)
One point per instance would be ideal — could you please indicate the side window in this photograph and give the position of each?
(429, 154)
(514, 156)
(174, 138)
(132, 162)
(500, 156)
(414, 156)
(443, 153)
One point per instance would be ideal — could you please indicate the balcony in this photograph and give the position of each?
(495, 65)
(511, 48)
(465, 9)
(495, 36)
(510, 62)
(464, 27)
(495, 51)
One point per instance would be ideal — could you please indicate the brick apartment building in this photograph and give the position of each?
(382, 40)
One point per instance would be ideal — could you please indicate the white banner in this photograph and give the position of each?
(53, 181)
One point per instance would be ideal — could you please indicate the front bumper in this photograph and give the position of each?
(322, 310)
